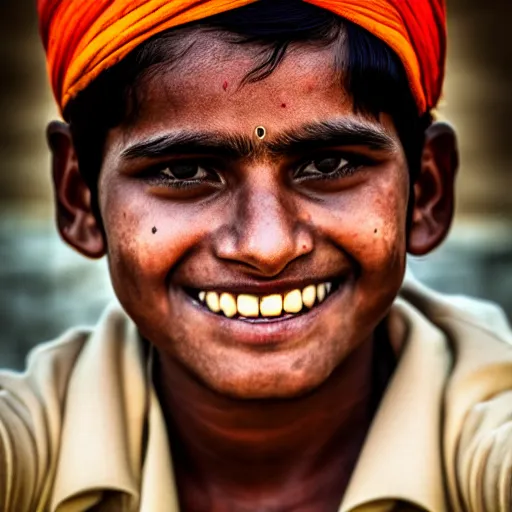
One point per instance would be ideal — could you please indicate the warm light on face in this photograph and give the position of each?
(258, 264)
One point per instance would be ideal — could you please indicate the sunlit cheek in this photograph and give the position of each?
(149, 237)
(136, 249)
(369, 224)
(374, 243)
(384, 246)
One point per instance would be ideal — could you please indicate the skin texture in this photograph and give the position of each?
(273, 416)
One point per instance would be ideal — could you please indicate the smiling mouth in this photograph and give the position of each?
(264, 308)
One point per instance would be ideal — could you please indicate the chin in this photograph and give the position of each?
(267, 376)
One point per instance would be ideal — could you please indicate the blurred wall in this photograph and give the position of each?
(45, 287)
(478, 100)
(26, 104)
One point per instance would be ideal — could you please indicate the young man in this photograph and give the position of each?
(255, 173)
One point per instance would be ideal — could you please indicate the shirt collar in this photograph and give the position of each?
(106, 422)
(112, 427)
(401, 457)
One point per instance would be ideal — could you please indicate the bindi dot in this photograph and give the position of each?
(260, 132)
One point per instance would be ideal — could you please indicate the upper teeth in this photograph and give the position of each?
(254, 306)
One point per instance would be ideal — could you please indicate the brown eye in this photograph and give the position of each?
(331, 166)
(185, 171)
(327, 165)
(188, 174)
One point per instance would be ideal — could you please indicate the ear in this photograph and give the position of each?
(76, 221)
(434, 199)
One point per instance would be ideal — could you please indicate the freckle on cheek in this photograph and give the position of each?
(283, 105)
(299, 364)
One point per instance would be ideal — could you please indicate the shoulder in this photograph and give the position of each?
(478, 337)
(32, 408)
(477, 434)
(31, 405)
(444, 309)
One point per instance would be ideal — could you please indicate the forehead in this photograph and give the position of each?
(205, 88)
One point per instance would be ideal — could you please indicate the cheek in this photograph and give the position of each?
(381, 245)
(369, 223)
(146, 237)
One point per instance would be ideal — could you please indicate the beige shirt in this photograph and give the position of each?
(82, 427)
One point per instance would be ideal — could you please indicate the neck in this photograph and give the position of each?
(258, 453)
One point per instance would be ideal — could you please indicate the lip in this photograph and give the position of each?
(272, 332)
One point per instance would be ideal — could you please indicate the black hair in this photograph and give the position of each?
(371, 73)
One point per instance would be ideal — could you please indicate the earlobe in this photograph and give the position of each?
(434, 199)
(76, 221)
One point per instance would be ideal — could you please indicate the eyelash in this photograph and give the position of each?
(342, 173)
(348, 170)
(176, 184)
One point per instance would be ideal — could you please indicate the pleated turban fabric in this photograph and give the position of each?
(82, 38)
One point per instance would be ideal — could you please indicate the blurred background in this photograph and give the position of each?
(45, 287)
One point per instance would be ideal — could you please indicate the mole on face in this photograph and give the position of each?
(154, 230)
(225, 85)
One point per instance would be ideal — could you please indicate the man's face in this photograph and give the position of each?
(193, 201)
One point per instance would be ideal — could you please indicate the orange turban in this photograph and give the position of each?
(84, 37)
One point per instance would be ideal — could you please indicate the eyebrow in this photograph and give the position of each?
(309, 137)
(342, 132)
(185, 141)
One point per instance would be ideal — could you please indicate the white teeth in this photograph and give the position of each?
(212, 301)
(252, 306)
(248, 305)
(293, 301)
(321, 292)
(228, 305)
(309, 296)
(271, 305)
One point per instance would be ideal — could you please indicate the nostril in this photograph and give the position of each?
(266, 234)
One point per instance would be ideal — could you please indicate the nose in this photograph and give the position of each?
(266, 232)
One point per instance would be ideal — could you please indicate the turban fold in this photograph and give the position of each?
(82, 38)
